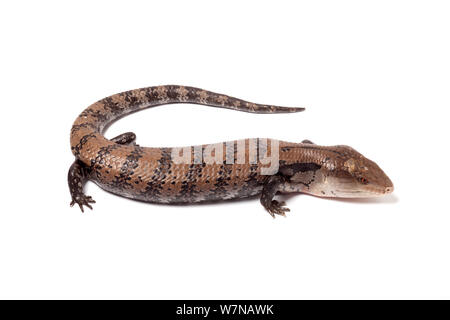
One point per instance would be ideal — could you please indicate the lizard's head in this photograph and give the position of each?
(355, 176)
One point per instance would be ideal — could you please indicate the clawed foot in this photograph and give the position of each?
(82, 200)
(276, 207)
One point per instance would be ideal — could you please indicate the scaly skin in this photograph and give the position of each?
(153, 175)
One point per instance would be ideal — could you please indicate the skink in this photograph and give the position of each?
(234, 169)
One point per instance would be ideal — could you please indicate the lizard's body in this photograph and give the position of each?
(209, 172)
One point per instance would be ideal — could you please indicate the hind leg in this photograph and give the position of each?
(125, 138)
(77, 177)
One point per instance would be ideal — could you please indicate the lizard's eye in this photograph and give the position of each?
(363, 180)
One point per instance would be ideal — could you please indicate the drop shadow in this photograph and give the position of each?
(391, 198)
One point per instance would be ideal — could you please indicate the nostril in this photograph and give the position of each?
(388, 189)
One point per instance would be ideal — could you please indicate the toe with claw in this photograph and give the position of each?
(82, 200)
(277, 207)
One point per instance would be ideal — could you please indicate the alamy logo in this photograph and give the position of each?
(251, 151)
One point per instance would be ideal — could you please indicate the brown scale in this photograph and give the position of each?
(149, 174)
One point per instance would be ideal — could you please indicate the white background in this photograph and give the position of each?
(374, 75)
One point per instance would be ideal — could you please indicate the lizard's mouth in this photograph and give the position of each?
(366, 192)
(350, 188)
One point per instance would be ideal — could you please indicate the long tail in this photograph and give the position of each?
(121, 104)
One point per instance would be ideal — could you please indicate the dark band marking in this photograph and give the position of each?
(302, 169)
(77, 148)
(291, 169)
(123, 180)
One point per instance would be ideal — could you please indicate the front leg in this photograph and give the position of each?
(271, 187)
(125, 138)
(77, 177)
